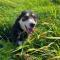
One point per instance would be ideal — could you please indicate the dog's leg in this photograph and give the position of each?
(19, 42)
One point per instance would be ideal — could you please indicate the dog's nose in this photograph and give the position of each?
(32, 25)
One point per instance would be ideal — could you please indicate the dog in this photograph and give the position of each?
(24, 25)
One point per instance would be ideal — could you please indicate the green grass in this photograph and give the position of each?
(39, 46)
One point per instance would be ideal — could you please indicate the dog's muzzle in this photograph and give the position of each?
(31, 28)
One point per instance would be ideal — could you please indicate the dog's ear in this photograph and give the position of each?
(26, 13)
(23, 13)
(20, 16)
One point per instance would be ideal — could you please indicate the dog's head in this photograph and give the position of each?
(27, 21)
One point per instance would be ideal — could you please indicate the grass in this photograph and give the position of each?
(44, 44)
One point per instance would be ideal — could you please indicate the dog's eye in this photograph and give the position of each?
(34, 17)
(25, 18)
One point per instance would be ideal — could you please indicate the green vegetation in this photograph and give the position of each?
(39, 46)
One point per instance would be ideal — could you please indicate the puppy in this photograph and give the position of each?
(23, 26)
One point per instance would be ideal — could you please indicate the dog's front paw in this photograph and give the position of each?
(18, 43)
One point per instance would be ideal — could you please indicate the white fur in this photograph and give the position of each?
(27, 14)
(26, 23)
(33, 14)
(19, 42)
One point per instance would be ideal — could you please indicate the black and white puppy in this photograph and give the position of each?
(23, 26)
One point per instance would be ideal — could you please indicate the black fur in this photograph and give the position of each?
(17, 34)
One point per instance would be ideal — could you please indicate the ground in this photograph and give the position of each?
(44, 44)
